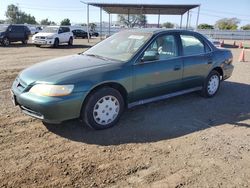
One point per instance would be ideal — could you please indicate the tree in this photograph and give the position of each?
(205, 26)
(134, 20)
(15, 15)
(66, 21)
(2, 21)
(246, 27)
(168, 25)
(12, 13)
(47, 22)
(227, 23)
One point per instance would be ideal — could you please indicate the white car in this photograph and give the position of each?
(53, 36)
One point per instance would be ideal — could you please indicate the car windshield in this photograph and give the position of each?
(121, 46)
(50, 30)
(3, 27)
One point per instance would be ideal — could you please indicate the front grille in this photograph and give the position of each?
(37, 37)
(21, 85)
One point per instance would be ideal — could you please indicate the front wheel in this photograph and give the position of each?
(56, 43)
(70, 43)
(103, 108)
(211, 85)
(6, 41)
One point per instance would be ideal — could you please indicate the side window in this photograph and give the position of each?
(192, 45)
(164, 47)
(60, 30)
(65, 29)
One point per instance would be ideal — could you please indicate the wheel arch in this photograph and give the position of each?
(219, 70)
(115, 85)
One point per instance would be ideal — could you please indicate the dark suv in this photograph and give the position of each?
(14, 33)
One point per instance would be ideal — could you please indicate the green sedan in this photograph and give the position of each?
(127, 69)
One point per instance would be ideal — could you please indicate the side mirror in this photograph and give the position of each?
(150, 56)
(60, 31)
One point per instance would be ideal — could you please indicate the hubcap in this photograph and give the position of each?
(6, 41)
(106, 110)
(213, 84)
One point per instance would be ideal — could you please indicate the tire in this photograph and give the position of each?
(70, 43)
(6, 41)
(25, 41)
(98, 115)
(211, 85)
(56, 43)
(38, 45)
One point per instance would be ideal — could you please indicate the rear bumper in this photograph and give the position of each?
(227, 71)
(50, 109)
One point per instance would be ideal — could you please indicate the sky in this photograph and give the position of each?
(57, 10)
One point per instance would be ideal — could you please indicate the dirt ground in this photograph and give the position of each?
(187, 141)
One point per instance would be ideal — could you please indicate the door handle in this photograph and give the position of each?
(177, 67)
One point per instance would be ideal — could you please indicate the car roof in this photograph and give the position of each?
(18, 25)
(159, 30)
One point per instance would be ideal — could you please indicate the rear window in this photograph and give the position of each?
(192, 45)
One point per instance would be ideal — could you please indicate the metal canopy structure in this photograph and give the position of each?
(144, 8)
(156, 9)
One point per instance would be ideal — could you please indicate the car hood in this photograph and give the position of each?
(49, 70)
(44, 34)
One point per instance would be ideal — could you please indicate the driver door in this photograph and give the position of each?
(159, 70)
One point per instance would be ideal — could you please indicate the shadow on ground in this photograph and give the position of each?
(167, 119)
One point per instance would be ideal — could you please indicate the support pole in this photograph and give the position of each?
(100, 23)
(190, 19)
(181, 22)
(109, 24)
(198, 15)
(159, 17)
(128, 19)
(187, 19)
(88, 21)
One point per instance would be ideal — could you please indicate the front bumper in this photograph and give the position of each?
(43, 41)
(49, 109)
(1, 39)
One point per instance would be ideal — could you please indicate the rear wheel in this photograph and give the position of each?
(211, 85)
(38, 45)
(56, 43)
(25, 41)
(6, 41)
(103, 108)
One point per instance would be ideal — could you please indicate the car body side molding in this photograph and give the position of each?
(162, 97)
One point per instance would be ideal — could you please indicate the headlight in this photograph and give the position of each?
(51, 90)
(51, 37)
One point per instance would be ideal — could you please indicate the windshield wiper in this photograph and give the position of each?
(97, 56)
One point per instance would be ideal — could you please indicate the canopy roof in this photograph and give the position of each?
(162, 9)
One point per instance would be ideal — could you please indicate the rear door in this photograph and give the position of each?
(197, 59)
(16, 33)
(162, 75)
